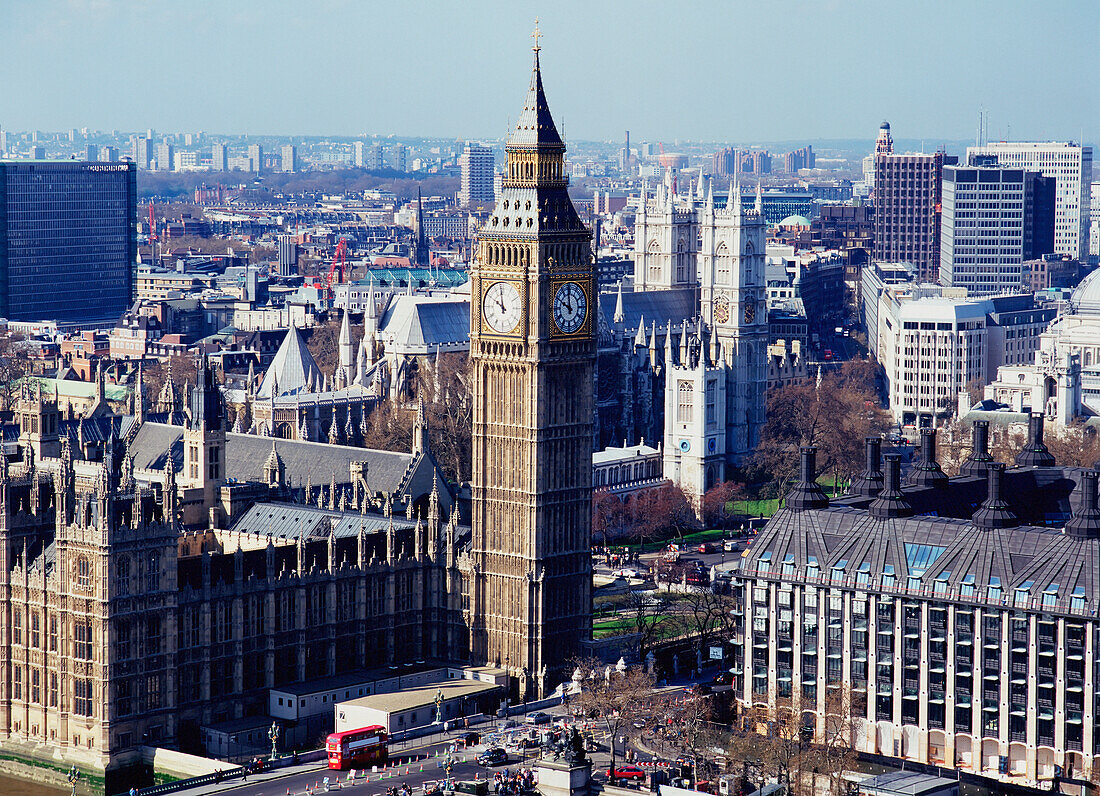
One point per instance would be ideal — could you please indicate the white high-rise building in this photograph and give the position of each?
(219, 157)
(986, 227)
(476, 163)
(360, 157)
(1071, 165)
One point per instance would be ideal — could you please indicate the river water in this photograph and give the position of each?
(9, 786)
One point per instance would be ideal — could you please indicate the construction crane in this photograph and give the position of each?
(339, 258)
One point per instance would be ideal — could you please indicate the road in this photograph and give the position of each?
(414, 766)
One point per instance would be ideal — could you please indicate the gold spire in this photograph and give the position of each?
(536, 34)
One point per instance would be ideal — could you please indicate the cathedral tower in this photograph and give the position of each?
(732, 304)
(532, 346)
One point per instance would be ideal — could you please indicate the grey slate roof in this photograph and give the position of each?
(535, 125)
(953, 558)
(293, 521)
(293, 367)
(387, 471)
(648, 306)
(418, 324)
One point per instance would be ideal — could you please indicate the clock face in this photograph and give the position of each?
(721, 310)
(570, 307)
(502, 307)
(750, 309)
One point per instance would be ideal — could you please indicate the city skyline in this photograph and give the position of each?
(823, 70)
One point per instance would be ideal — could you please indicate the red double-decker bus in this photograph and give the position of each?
(357, 748)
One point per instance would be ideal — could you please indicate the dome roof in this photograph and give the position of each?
(1086, 296)
(884, 126)
(795, 221)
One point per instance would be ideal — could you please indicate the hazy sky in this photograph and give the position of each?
(729, 71)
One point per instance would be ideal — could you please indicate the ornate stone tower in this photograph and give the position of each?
(732, 304)
(532, 346)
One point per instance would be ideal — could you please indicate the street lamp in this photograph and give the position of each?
(273, 734)
(73, 777)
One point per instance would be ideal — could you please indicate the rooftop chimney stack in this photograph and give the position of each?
(979, 451)
(1085, 523)
(869, 482)
(891, 502)
(806, 493)
(995, 511)
(926, 471)
(1035, 453)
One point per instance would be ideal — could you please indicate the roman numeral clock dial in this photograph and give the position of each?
(570, 308)
(502, 307)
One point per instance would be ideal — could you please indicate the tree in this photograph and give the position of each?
(444, 384)
(835, 417)
(324, 344)
(661, 512)
(717, 503)
(649, 612)
(610, 516)
(617, 701)
(691, 731)
(798, 746)
(15, 363)
(706, 615)
(1076, 445)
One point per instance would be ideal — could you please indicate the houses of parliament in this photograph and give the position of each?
(160, 572)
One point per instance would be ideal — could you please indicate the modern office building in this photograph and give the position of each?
(933, 343)
(1071, 166)
(376, 161)
(67, 239)
(166, 157)
(396, 158)
(289, 156)
(955, 619)
(108, 154)
(476, 163)
(906, 202)
(256, 158)
(219, 154)
(288, 255)
(143, 152)
(993, 219)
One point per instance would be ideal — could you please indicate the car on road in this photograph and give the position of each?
(705, 547)
(729, 545)
(471, 738)
(626, 772)
(538, 717)
(626, 573)
(492, 757)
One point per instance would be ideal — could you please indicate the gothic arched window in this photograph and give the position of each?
(722, 265)
(152, 574)
(83, 573)
(654, 271)
(685, 404)
(123, 576)
(681, 260)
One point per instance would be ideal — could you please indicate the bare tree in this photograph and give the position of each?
(835, 417)
(798, 746)
(444, 383)
(15, 363)
(690, 730)
(649, 612)
(617, 701)
(706, 615)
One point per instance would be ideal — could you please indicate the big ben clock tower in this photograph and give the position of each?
(532, 348)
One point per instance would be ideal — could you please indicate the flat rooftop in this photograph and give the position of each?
(422, 696)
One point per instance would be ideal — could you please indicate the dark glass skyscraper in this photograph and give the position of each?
(67, 239)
